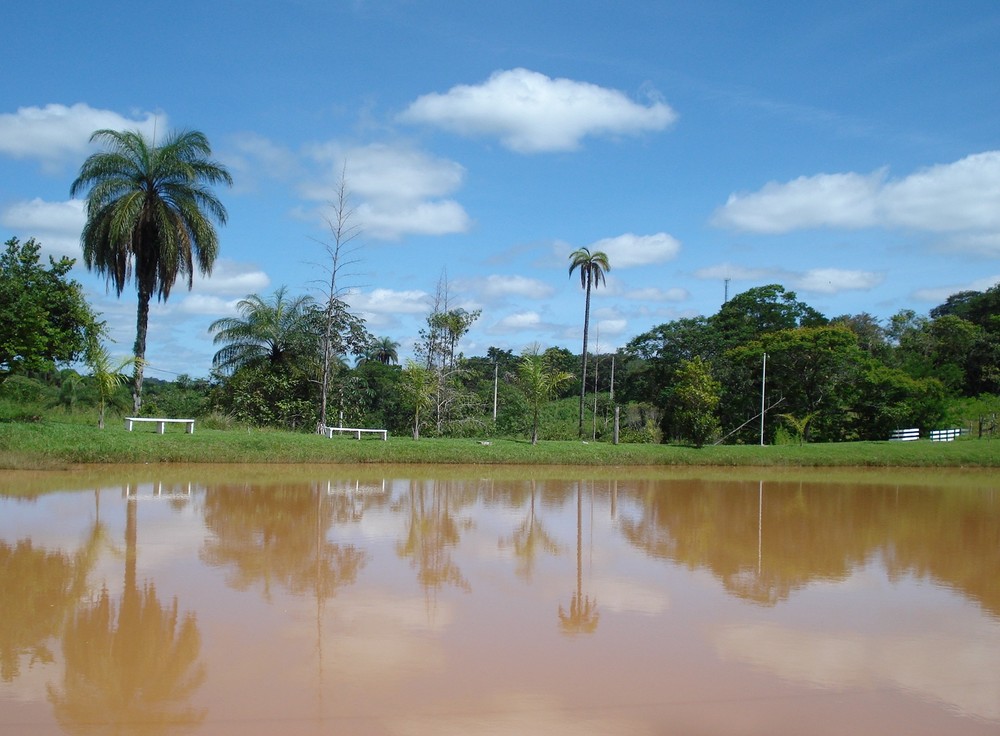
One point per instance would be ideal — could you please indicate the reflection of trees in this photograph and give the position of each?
(39, 588)
(582, 616)
(530, 539)
(129, 668)
(432, 529)
(763, 545)
(278, 535)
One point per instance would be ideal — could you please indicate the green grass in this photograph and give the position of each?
(52, 444)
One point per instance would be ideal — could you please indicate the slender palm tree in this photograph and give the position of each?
(150, 211)
(276, 332)
(384, 350)
(592, 267)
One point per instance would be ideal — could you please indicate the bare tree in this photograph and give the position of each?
(341, 331)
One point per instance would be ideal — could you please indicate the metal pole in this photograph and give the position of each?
(763, 380)
(496, 376)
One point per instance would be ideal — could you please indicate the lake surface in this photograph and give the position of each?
(468, 601)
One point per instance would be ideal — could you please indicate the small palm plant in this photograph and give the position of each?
(540, 382)
(107, 376)
(799, 426)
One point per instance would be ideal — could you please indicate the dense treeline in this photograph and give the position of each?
(692, 380)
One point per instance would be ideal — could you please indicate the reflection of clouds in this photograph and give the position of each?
(514, 713)
(620, 595)
(378, 637)
(959, 670)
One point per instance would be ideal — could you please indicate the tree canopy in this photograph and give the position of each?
(46, 318)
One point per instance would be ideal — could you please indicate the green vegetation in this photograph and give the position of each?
(59, 444)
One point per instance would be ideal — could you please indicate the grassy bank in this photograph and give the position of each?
(51, 444)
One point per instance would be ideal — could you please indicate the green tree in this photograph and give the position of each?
(540, 382)
(150, 212)
(45, 316)
(276, 331)
(592, 268)
(760, 310)
(696, 397)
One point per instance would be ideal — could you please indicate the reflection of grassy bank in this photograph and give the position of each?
(50, 445)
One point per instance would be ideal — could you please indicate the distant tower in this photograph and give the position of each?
(726, 298)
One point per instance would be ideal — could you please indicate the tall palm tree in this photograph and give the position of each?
(150, 211)
(592, 267)
(276, 331)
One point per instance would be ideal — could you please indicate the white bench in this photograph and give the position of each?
(904, 435)
(161, 423)
(946, 435)
(328, 431)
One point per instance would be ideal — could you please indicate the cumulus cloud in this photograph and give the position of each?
(656, 294)
(941, 294)
(56, 225)
(517, 322)
(735, 272)
(959, 197)
(232, 278)
(498, 286)
(250, 156)
(814, 281)
(57, 132)
(532, 113)
(826, 200)
(389, 301)
(628, 250)
(835, 280)
(401, 190)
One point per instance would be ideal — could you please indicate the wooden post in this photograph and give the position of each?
(617, 413)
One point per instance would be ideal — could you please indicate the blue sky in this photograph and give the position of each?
(849, 151)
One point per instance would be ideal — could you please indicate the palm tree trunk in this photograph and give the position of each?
(141, 326)
(583, 380)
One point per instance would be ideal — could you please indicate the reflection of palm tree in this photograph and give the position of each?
(529, 539)
(582, 616)
(130, 668)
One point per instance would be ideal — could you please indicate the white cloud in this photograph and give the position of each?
(816, 280)
(655, 294)
(501, 286)
(232, 278)
(206, 304)
(401, 190)
(940, 294)
(836, 280)
(532, 113)
(628, 250)
(388, 301)
(387, 222)
(736, 272)
(959, 197)
(826, 200)
(517, 322)
(56, 225)
(56, 132)
(252, 156)
(609, 327)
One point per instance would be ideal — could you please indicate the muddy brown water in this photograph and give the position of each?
(466, 601)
